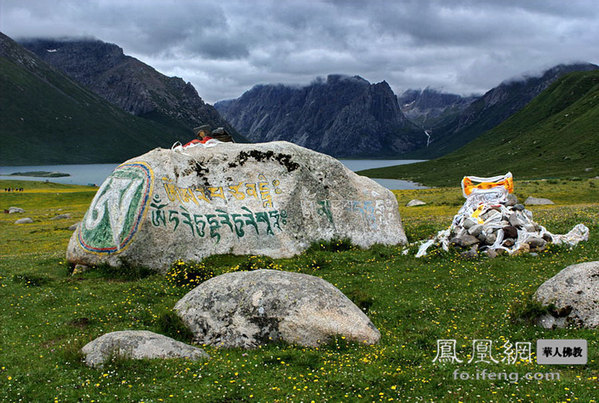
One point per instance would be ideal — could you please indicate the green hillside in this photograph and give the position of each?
(47, 118)
(555, 135)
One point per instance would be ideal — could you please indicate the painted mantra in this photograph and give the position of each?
(116, 212)
(261, 190)
(371, 212)
(202, 225)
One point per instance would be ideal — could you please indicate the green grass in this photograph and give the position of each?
(47, 315)
(555, 136)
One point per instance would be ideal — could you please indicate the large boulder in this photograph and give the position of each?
(248, 309)
(271, 199)
(574, 293)
(137, 345)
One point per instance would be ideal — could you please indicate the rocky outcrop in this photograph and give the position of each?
(342, 116)
(137, 345)
(129, 83)
(430, 108)
(572, 295)
(248, 309)
(270, 199)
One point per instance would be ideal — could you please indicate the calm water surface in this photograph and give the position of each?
(94, 174)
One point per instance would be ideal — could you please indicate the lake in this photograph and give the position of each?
(86, 174)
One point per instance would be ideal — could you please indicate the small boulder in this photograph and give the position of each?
(535, 242)
(537, 201)
(469, 223)
(465, 240)
(573, 292)
(510, 232)
(415, 202)
(512, 200)
(475, 230)
(74, 226)
(25, 220)
(137, 345)
(15, 210)
(515, 220)
(248, 309)
(61, 217)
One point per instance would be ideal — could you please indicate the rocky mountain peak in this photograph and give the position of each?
(342, 116)
(129, 83)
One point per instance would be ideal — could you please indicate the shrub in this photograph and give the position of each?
(171, 325)
(30, 279)
(360, 298)
(256, 263)
(188, 274)
(334, 245)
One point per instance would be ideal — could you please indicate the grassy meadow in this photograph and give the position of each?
(47, 314)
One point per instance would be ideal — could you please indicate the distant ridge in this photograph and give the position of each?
(47, 118)
(555, 135)
(494, 107)
(342, 116)
(129, 83)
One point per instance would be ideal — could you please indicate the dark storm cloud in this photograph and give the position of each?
(226, 47)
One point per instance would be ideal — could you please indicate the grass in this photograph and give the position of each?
(47, 315)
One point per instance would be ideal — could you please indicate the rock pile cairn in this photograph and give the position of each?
(492, 221)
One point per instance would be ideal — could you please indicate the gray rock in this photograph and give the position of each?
(471, 253)
(465, 240)
(519, 207)
(137, 345)
(574, 292)
(469, 222)
(490, 239)
(549, 321)
(415, 202)
(476, 230)
(25, 220)
(537, 201)
(491, 253)
(489, 214)
(512, 200)
(270, 199)
(248, 309)
(74, 226)
(61, 217)
(515, 220)
(530, 227)
(535, 242)
(15, 210)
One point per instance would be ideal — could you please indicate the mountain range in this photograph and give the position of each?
(342, 116)
(491, 109)
(555, 135)
(350, 117)
(75, 101)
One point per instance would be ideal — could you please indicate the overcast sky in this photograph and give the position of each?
(225, 47)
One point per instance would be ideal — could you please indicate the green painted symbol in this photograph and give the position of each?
(117, 210)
